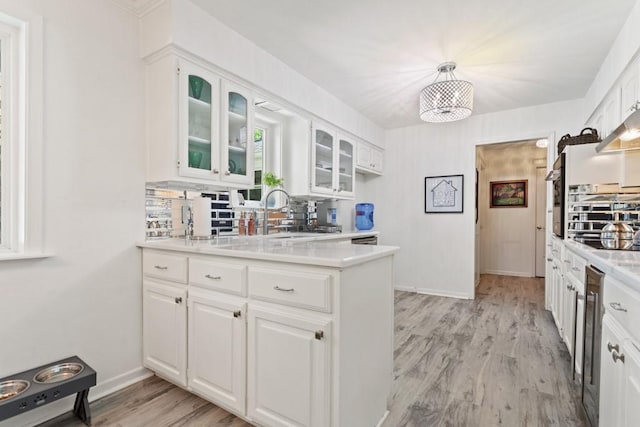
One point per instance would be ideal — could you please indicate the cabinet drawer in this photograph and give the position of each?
(623, 304)
(225, 277)
(165, 266)
(296, 288)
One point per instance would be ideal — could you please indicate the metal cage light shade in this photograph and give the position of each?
(446, 100)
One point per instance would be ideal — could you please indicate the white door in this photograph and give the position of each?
(217, 349)
(541, 208)
(288, 369)
(631, 403)
(164, 330)
(610, 374)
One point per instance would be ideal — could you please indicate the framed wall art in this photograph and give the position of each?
(443, 194)
(509, 194)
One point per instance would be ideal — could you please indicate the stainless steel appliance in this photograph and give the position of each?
(591, 346)
(558, 177)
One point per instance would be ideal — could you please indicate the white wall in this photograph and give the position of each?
(86, 300)
(437, 250)
(508, 235)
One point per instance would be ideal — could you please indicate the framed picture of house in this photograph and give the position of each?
(443, 194)
(509, 194)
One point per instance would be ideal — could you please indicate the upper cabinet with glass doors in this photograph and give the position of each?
(210, 118)
(332, 160)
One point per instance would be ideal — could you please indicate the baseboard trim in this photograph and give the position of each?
(508, 273)
(435, 292)
(383, 419)
(119, 382)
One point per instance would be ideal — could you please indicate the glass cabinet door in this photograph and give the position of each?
(238, 112)
(323, 156)
(199, 98)
(346, 167)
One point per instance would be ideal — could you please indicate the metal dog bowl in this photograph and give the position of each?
(57, 373)
(12, 388)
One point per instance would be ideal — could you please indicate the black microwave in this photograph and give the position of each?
(559, 196)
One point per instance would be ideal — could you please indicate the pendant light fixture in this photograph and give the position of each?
(447, 100)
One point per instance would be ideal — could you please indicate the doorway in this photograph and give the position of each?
(511, 209)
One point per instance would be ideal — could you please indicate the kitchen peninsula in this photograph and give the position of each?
(279, 330)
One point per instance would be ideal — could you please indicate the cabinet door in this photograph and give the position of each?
(237, 135)
(345, 173)
(217, 350)
(377, 160)
(611, 112)
(322, 159)
(629, 92)
(288, 370)
(198, 97)
(631, 384)
(556, 307)
(364, 155)
(611, 372)
(569, 312)
(164, 330)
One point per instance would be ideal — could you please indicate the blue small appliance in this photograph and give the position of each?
(364, 216)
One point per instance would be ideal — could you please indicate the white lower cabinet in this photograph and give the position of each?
(611, 373)
(631, 385)
(164, 330)
(217, 348)
(288, 369)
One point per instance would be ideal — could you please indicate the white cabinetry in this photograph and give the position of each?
(217, 348)
(332, 160)
(620, 356)
(370, 159)
(289, 369)
(186, 143)
(585, 166)
(164, 324)
(164, 320)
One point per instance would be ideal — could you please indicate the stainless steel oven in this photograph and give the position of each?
(559, 201)
(593, 312)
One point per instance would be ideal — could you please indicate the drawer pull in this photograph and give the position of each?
(576, 269)
(617, 306)
(549, 259)
(611, 347)
(178, 300)
(208, 276)
(617, 356)
(567, 261)
(320, 335)
(160, 267)
(278, 288)
(237, 314)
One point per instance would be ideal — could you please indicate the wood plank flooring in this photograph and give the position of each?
(496, 360)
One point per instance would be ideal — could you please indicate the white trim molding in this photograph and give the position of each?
(138, 8)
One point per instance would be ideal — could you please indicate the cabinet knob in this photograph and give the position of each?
(549, 259)
(319, 335)
(178, 300)
(611, 347)
(237, 314)
(228, 172)
(617, 306)
(216, 171)
(617, 356)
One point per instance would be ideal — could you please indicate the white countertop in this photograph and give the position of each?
(623, 265)
(329, 250)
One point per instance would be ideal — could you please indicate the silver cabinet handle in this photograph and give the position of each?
(549, 259)
(216, 171)
(319, 335)
(228, 172)
(568, 287)
(617, 306)
(278, 288)
(617, 356)
(611, 347)
(208, 276)
(237, 314)
(160, 267)
(566, 261)
(538, 228)
(178, 300)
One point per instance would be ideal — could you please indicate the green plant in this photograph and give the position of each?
(270, 180)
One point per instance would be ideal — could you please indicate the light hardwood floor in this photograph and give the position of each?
(494, 361)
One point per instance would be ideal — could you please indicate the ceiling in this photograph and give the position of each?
(376, 55)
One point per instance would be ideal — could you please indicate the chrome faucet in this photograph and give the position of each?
(265, 225)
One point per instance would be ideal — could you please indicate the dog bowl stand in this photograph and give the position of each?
(40, 393)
